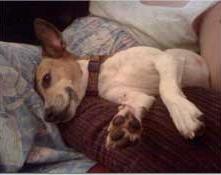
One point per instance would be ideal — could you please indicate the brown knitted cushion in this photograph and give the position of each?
(162, 148)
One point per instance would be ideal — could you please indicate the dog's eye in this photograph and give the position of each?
(46, 81)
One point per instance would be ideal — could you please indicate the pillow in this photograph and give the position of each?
(161, 150)
(154, 23)
(97, 36)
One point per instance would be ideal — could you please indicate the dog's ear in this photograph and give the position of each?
(50, 38)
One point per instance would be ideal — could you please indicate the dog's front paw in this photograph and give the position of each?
(123, 130)
(187, 118)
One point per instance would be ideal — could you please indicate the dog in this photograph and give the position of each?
(131, 78)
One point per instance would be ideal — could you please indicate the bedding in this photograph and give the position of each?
(27, 142)
(161, 149)
(158, 24)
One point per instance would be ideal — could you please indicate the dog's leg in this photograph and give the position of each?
(185, 114)
(125, 126)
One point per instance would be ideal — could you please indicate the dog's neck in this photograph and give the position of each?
(90, 67)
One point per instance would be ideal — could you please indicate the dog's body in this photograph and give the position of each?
(136, 69)
(130, 78)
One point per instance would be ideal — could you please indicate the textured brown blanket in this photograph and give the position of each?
(162, 148)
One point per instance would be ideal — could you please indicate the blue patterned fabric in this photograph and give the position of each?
(27, 142)
(97, 36)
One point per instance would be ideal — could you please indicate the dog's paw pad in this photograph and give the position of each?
(117, 135)
(123, 130)
(118, 121)
(134, 125)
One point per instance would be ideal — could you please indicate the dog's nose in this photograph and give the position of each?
(49, 115)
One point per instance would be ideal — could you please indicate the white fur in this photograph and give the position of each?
(134, 76)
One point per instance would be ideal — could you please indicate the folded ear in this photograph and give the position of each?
(50, 38)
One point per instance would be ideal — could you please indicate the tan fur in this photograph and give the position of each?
(61, 69)
(65, 72)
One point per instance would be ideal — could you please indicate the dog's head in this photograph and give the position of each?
(58, 77)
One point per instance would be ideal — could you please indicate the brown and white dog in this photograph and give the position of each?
(130, 78)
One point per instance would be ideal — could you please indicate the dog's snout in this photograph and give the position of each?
(59, 110)
(49, 115)
(72, 94)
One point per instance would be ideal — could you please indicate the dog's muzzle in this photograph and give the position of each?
(54, 116)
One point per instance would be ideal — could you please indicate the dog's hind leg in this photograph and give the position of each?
(185, 115)
(126, 126)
